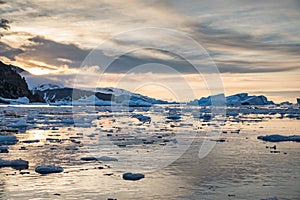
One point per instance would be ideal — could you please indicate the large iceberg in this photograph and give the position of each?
(233, 100)
(215, 100)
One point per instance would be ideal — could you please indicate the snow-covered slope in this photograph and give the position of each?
(47, 86)
(101, 96)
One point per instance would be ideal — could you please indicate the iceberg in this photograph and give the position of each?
(8, 140)
(18, 164)
(89, 158)
(107, 159)
(20, 123)
(48, 169)
(4, 149)
(215, 100)
(142, 118)
(233, 100)
(279, 138)
(133, 177)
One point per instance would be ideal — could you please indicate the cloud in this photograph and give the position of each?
(8, 51)
(225, 38)
(240, 37)
(53, 53)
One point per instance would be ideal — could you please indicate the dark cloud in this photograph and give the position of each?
(238, 68)
(128, 62)
(8, 51)
(231, 39)
(57, 54)
(4, 24)
(242, 66)
(54, 53)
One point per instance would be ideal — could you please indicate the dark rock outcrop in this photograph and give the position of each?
(13, 86)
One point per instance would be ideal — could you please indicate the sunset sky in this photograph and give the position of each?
(255, 44)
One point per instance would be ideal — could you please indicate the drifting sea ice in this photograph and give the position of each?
(279, 138)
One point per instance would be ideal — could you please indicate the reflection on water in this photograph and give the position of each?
(239, 168)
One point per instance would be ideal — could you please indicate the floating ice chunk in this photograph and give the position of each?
(133, 177)
(72, 148)
(30, 141)
(107, 159)
(279, 138)
(3, 149)
(174, 116)
(67, 121)
(48, 169)
(219, 140)
(271, 198)
(91, 135)
(16, 164)
(142, 118)
(19, 123)
(90, 158)
(8, 140)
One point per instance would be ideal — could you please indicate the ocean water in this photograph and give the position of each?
(162, 142)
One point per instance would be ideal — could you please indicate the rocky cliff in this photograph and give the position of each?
(13, 86)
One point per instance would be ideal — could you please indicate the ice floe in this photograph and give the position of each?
(107, 159)
(279, 138)
(18, 164)
(4, 149)
(48, 169)
(8, 140)
(133, 177)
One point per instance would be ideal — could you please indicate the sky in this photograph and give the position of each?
(241, 46)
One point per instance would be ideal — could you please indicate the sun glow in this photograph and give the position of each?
(38, 71)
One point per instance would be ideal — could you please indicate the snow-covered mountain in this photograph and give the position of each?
(233, 100)
(56, 95)
(48, 86)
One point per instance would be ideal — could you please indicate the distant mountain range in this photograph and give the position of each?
(14, 90)
(57, 95)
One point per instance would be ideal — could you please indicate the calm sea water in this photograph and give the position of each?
(239, 168)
